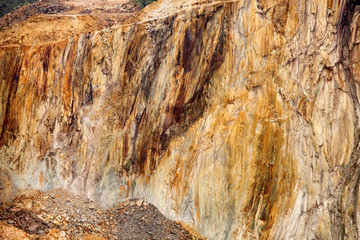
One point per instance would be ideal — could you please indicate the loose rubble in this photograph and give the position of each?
(62, 215)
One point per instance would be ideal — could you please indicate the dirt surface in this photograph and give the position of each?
(39, 215)
(95, 3)
(33, 28)
(53, 20)
(27, 11)
(64, 7)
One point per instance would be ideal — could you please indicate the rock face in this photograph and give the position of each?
(239, 117)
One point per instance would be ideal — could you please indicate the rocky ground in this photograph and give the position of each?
(108, 10)
(56, 20)
(60, 215)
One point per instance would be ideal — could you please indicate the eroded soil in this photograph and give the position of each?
(60, 215)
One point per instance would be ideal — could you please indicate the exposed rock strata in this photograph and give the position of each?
(240, 117)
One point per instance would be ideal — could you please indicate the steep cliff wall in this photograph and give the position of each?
(238, 117)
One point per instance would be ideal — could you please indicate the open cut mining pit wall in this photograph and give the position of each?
(238, 117)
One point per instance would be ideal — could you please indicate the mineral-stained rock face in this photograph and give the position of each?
(239, 117)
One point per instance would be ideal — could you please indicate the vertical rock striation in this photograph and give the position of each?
(239, 117)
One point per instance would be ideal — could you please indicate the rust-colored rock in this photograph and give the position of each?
(240, 118)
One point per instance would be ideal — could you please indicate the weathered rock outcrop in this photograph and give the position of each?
(239, 117)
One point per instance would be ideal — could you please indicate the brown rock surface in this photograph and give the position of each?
(239, 117)
(9, 232)
(58, 19)
(6, 188)
(60, 215)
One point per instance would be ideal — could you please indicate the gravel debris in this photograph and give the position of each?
(39, 213)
